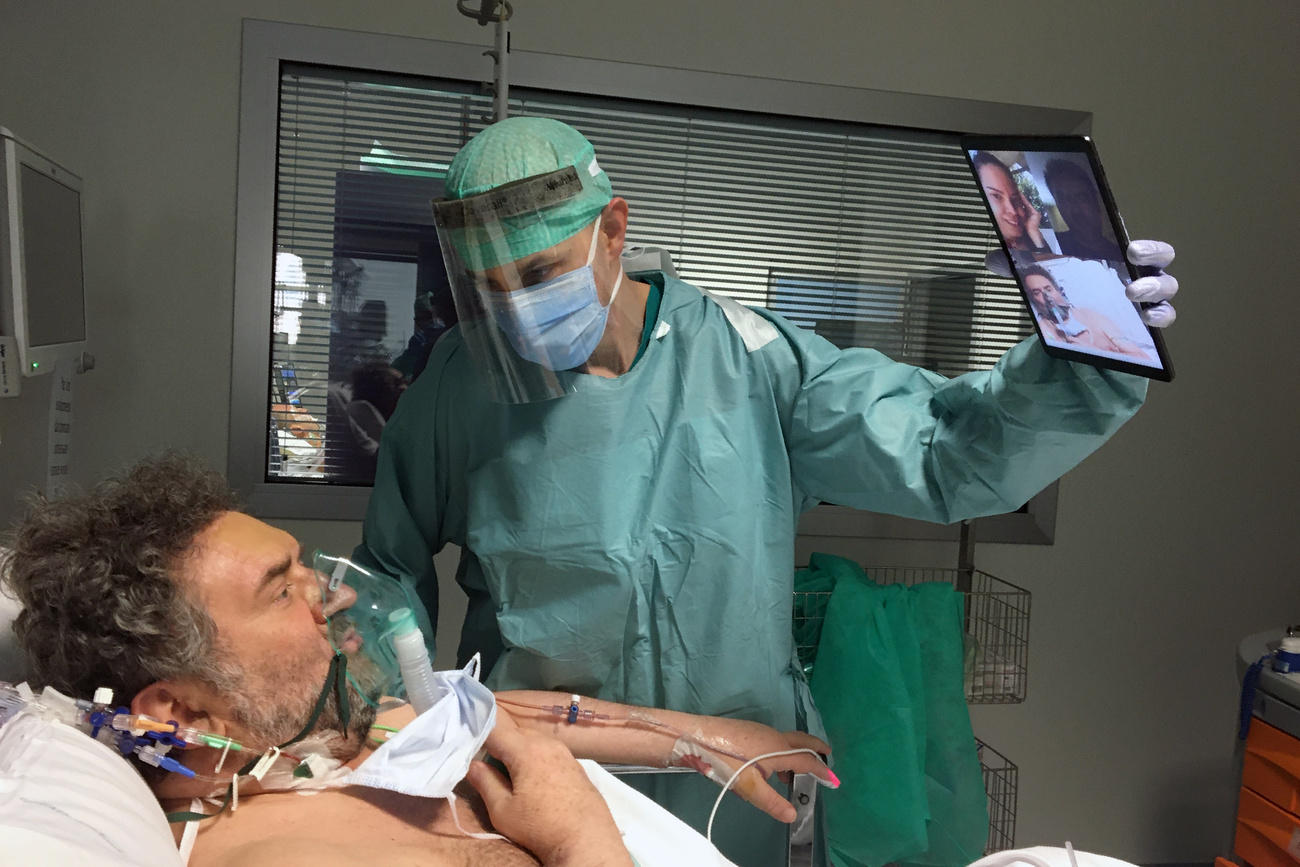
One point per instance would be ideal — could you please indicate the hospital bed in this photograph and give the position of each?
(46, 806)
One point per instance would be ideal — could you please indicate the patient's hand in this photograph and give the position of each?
(547, 805)
(753, 739)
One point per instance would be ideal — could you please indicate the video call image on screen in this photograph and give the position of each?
(1048, 209)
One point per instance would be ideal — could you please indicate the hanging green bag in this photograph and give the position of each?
(887, 679)
(959, 821)
(860, 684)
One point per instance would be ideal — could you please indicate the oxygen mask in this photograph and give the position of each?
(357, 604)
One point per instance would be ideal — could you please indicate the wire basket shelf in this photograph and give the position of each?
(996, 628)
(1001, 778)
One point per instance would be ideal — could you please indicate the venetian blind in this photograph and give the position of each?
(870, 236)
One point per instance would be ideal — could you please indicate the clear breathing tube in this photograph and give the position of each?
(413, 660)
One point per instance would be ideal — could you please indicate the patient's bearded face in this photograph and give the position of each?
(272, 699)
(272, 644)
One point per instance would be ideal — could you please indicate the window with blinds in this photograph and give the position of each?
(870, 236)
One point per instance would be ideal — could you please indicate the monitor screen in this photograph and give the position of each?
(51, 241)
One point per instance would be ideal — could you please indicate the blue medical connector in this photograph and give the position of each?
(146, 738)
(571, 713)
(150, 755)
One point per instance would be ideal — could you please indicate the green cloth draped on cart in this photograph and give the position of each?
(888, 681)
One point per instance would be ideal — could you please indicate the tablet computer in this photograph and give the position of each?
(1057, 222)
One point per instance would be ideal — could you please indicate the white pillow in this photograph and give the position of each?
(1047, 856)
(68, 799)
(12, 660)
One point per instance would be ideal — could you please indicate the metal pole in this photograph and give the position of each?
(499, 12)
(966, 571)
(966, 557)
(501, 82)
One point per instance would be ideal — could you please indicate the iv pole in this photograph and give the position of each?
(498, 11)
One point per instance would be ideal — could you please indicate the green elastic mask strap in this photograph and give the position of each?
(337, 681)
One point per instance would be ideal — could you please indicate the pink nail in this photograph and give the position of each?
(834, 779)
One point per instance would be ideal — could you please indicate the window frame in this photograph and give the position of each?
(267, 45)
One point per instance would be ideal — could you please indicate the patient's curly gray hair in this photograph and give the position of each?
(96, 576)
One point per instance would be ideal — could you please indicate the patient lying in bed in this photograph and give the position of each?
(155, 586)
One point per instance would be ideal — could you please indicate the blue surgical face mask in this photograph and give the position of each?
(559, 322)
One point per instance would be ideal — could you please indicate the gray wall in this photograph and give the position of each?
(1172, 541)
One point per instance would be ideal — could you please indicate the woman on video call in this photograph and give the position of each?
(1018, 220)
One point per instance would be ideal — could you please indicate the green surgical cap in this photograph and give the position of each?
(511, 150)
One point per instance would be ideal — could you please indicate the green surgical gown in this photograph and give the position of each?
(634, 540)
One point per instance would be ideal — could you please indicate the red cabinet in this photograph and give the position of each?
(1268, 811)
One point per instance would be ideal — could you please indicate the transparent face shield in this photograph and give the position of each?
(357, 604)
(535, 306)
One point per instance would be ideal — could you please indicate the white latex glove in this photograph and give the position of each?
(1155, 288)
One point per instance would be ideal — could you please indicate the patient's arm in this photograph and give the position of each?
(630, 737)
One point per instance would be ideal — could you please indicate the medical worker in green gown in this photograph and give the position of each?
(622, 460)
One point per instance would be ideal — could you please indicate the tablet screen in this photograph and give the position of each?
(1058, 225)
